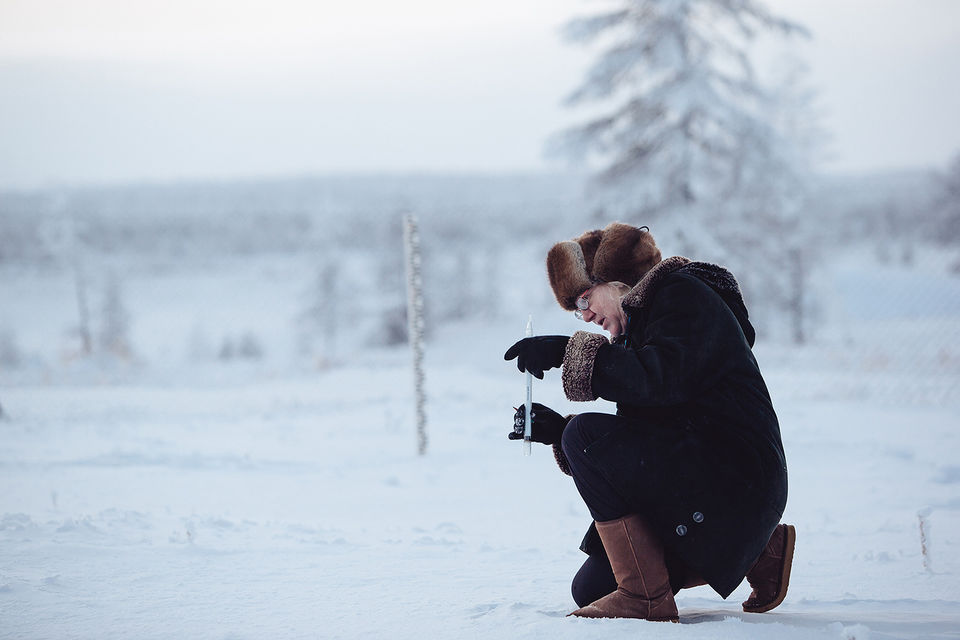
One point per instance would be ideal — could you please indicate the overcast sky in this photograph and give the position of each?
(120, 90)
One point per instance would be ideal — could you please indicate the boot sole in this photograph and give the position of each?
(592, 612)
(579, 615)
(789, 543)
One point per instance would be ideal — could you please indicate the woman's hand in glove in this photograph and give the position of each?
(539, 353)
(546, 424)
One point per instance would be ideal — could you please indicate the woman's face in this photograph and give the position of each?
(604, 307)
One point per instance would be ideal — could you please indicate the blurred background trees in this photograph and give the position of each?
(691, 139)
(684, 128)
(683, 116)
(946, 205)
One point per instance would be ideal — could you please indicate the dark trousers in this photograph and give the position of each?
(593, 581)
(595, 578)
(601, 498)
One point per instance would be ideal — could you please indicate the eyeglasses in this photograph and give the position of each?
(583, 303)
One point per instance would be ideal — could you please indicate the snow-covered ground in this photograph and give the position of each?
(190, 498)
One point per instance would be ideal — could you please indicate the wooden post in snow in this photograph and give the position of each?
(411, 245)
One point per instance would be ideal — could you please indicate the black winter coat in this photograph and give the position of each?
(699, 451)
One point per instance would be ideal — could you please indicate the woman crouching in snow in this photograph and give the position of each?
(687, 482)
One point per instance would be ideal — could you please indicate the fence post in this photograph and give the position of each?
(411, 245)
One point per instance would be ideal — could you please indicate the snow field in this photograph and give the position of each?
(179, 496)
(298, 508)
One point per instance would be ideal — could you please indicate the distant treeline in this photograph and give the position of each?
(476, 232)
(279, 215)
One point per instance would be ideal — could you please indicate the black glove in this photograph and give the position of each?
(539, 353)
(546, 424)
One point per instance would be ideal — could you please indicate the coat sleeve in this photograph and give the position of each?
(686, 342)
(558, 453)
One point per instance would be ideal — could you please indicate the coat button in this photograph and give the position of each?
(681, 530)
(697, 517)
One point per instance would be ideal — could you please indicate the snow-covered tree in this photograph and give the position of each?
(689, 136)
(66, 241)
(10, 355)
(319, 322)
(947, 203)
(770, 229)
(115, 319)
(681, 109)
(391, 284)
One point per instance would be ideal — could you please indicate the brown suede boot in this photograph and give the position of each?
(770, 574)
(643, 585)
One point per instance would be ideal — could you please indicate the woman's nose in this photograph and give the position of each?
(588, 315)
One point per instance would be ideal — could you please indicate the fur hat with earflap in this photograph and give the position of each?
(617, 253)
